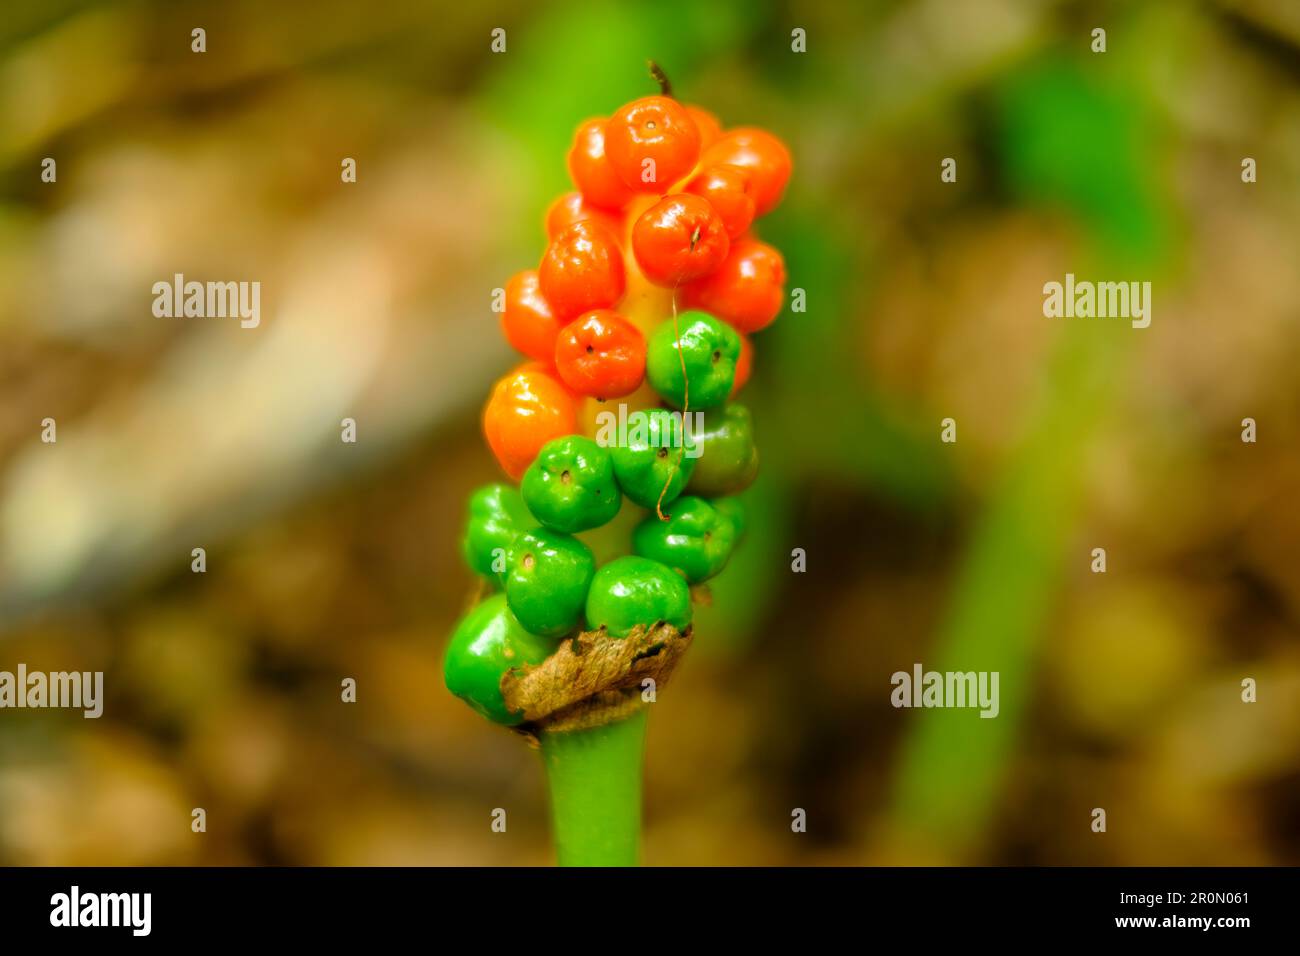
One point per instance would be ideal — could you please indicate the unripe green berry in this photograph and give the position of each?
(734, 509)
(654, 456)
(696, 540)
(707, 348)
(496, 514)
(570, 486)
(487, 642)
(634, 591)
(728, 460)
(548, 574)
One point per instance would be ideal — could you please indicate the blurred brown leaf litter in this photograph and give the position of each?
(328, 561)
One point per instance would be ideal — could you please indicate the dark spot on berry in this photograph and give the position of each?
(717, 356)
(662, 453)
(528, 562)
(590, 349)
(565, 477)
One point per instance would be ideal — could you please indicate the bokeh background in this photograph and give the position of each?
(327, 560)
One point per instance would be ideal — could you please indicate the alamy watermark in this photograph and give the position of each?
(211, 300)
(656, 428)
(1102, 300)
(922, 688)
(78, 690)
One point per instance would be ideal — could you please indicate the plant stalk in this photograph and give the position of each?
(594, 778)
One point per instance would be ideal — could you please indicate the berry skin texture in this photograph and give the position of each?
(571, 208)
(696, 541)
(581, 270)
(487, 643)
(656, 453)
(766, 158)
(527, 409)
(591, 171)
(601, 354)
(634, 591)
(571, 486)
(708, 348)
(496, 514)
(728, 460)
(527, 321)
(748, 289)
(654, 128)
(727, 190)
(679, 239)
(547, 577)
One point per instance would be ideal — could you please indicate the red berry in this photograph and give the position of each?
(678, 239)
(744, 365)
(727, 190)
(571, 208)
(582, 270)
(747, 290)
(590, 168)
(766, 158)
(527, 321)
(708, 125)
(601, 354)
(652, 143)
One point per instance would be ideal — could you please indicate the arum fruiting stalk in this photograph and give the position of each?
(651, 280)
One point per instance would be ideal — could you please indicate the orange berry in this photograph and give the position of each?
(652, 143)
(582, 270)
(727, 190)
(528, 408)
(527, 321)
(747, 290)
(590, 168)
(766, 158)
(708, 125)
(601, 354)
(678, 239)
(571, 208)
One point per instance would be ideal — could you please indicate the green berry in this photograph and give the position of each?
(728, 460)
(570, 486)
(496, 514)
(631, 591)
(547, 577)
(652, 457)
(708, 348)
(734, 509)
(487, 642)
(696, 540)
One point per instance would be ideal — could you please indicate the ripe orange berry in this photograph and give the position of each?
(708, 125)
(678, 239)
(571, 208)
(582, 270)
(527, 409)
(601, 354)
(744, 365)
(652, 143)
(766, 158)
(590, 168)
(747, 290)
(727, 190)
(527, 321)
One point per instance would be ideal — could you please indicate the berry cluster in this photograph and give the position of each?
(662, 219)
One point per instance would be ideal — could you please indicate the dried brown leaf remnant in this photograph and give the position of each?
(593, 678)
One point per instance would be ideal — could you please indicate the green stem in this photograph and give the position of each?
(594, 778)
